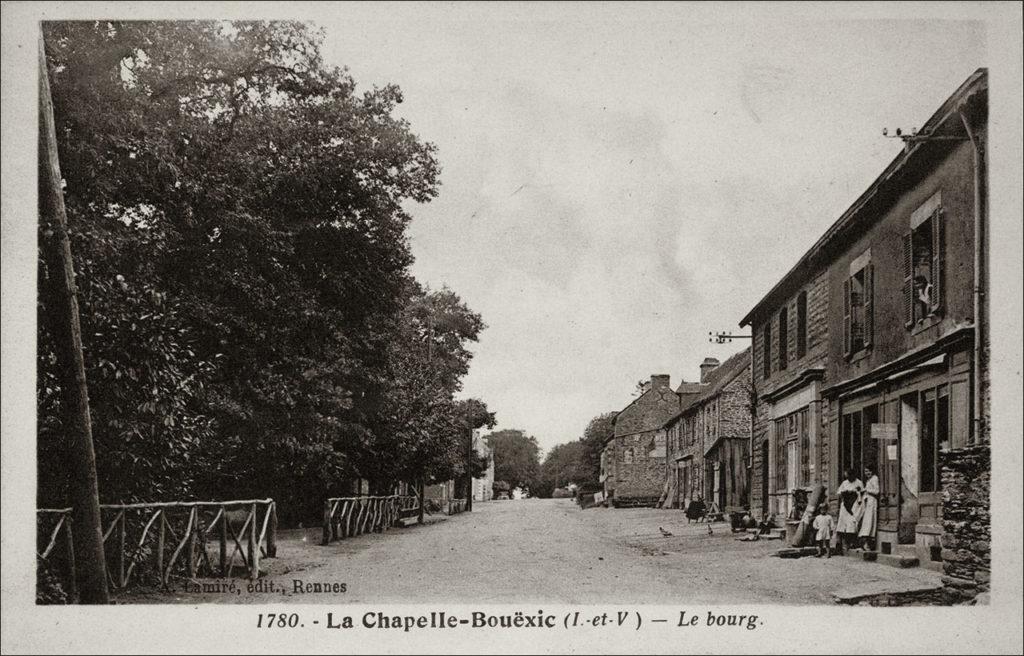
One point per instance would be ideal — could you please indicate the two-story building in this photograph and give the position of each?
(788, 361)
(871, 352)
(633, 459)
(708, 439)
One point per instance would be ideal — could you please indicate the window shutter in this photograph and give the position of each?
(847, 328)
(938, 258)
(869, 303)
(908, 280)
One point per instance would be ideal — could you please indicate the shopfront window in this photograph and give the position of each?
(934, 430)
(856, 448)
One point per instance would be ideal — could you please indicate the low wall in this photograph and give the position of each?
(966, 519)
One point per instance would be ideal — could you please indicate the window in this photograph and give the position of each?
(627, 456)
(923, 250)
(783, 337)
(793, 436)
(858, 301)
(856, 447)
(801, 325)
(766, 340)
(934, 427)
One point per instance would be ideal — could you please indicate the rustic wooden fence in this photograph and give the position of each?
(157, 540)
(346, 517)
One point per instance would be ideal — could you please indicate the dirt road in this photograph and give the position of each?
(546, 550)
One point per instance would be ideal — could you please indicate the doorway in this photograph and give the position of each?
(764, 479)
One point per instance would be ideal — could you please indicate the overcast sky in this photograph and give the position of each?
(618, 182)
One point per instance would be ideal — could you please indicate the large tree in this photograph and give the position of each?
(516, 457)
(238, 216)
(597, 433)
(564, 464)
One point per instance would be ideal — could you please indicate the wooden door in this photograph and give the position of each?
(889, 469)
(792, 472)
(764, 478)
(934, 436)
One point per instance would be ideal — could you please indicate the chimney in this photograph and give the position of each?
(659, 381)
(707, 367)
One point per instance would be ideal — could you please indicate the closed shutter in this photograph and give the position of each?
(869, 303)
(908, 280)
(938, 259)
(847, 327)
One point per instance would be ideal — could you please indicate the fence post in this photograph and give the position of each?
(327, 523)
(161, 536)
(69, 559)
(254, 549)
(423, 501)
(224, 541)
(272, 531)
(193, 525)
(122, 531)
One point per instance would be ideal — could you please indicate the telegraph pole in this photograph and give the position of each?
(469, 473)
(62, 311)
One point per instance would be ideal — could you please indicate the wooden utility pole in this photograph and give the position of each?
(469, 474)
(62, 314)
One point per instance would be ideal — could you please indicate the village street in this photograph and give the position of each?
(550, 550)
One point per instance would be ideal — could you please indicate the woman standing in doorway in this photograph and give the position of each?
(849, 508)
(869, 520)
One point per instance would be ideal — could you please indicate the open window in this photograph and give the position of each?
(858, 305)
(923, 249)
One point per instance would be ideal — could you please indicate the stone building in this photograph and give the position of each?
(707, 440)
(633, 460)
(872, 351)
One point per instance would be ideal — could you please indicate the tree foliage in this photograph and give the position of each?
(563, 465)
(598, 432)
(516, 457)
(238, 215)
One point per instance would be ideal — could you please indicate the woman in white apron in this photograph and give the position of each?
(869, 520)
(850, 508)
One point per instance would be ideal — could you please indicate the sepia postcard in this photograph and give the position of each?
(512, 327)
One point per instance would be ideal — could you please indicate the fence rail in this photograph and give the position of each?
(157, 540)
(346, 517)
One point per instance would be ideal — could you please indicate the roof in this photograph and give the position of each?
(854, 216)
(716, 380)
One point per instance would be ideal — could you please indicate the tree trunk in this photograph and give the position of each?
(62, 315)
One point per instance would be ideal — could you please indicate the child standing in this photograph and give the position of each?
(824, 526)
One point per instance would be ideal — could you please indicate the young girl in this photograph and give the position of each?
(823, 525)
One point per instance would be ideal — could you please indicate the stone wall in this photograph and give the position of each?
(643, 473)
(967, 537)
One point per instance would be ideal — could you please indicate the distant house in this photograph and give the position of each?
(708, 439)
(483, 487)
(633, 463)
